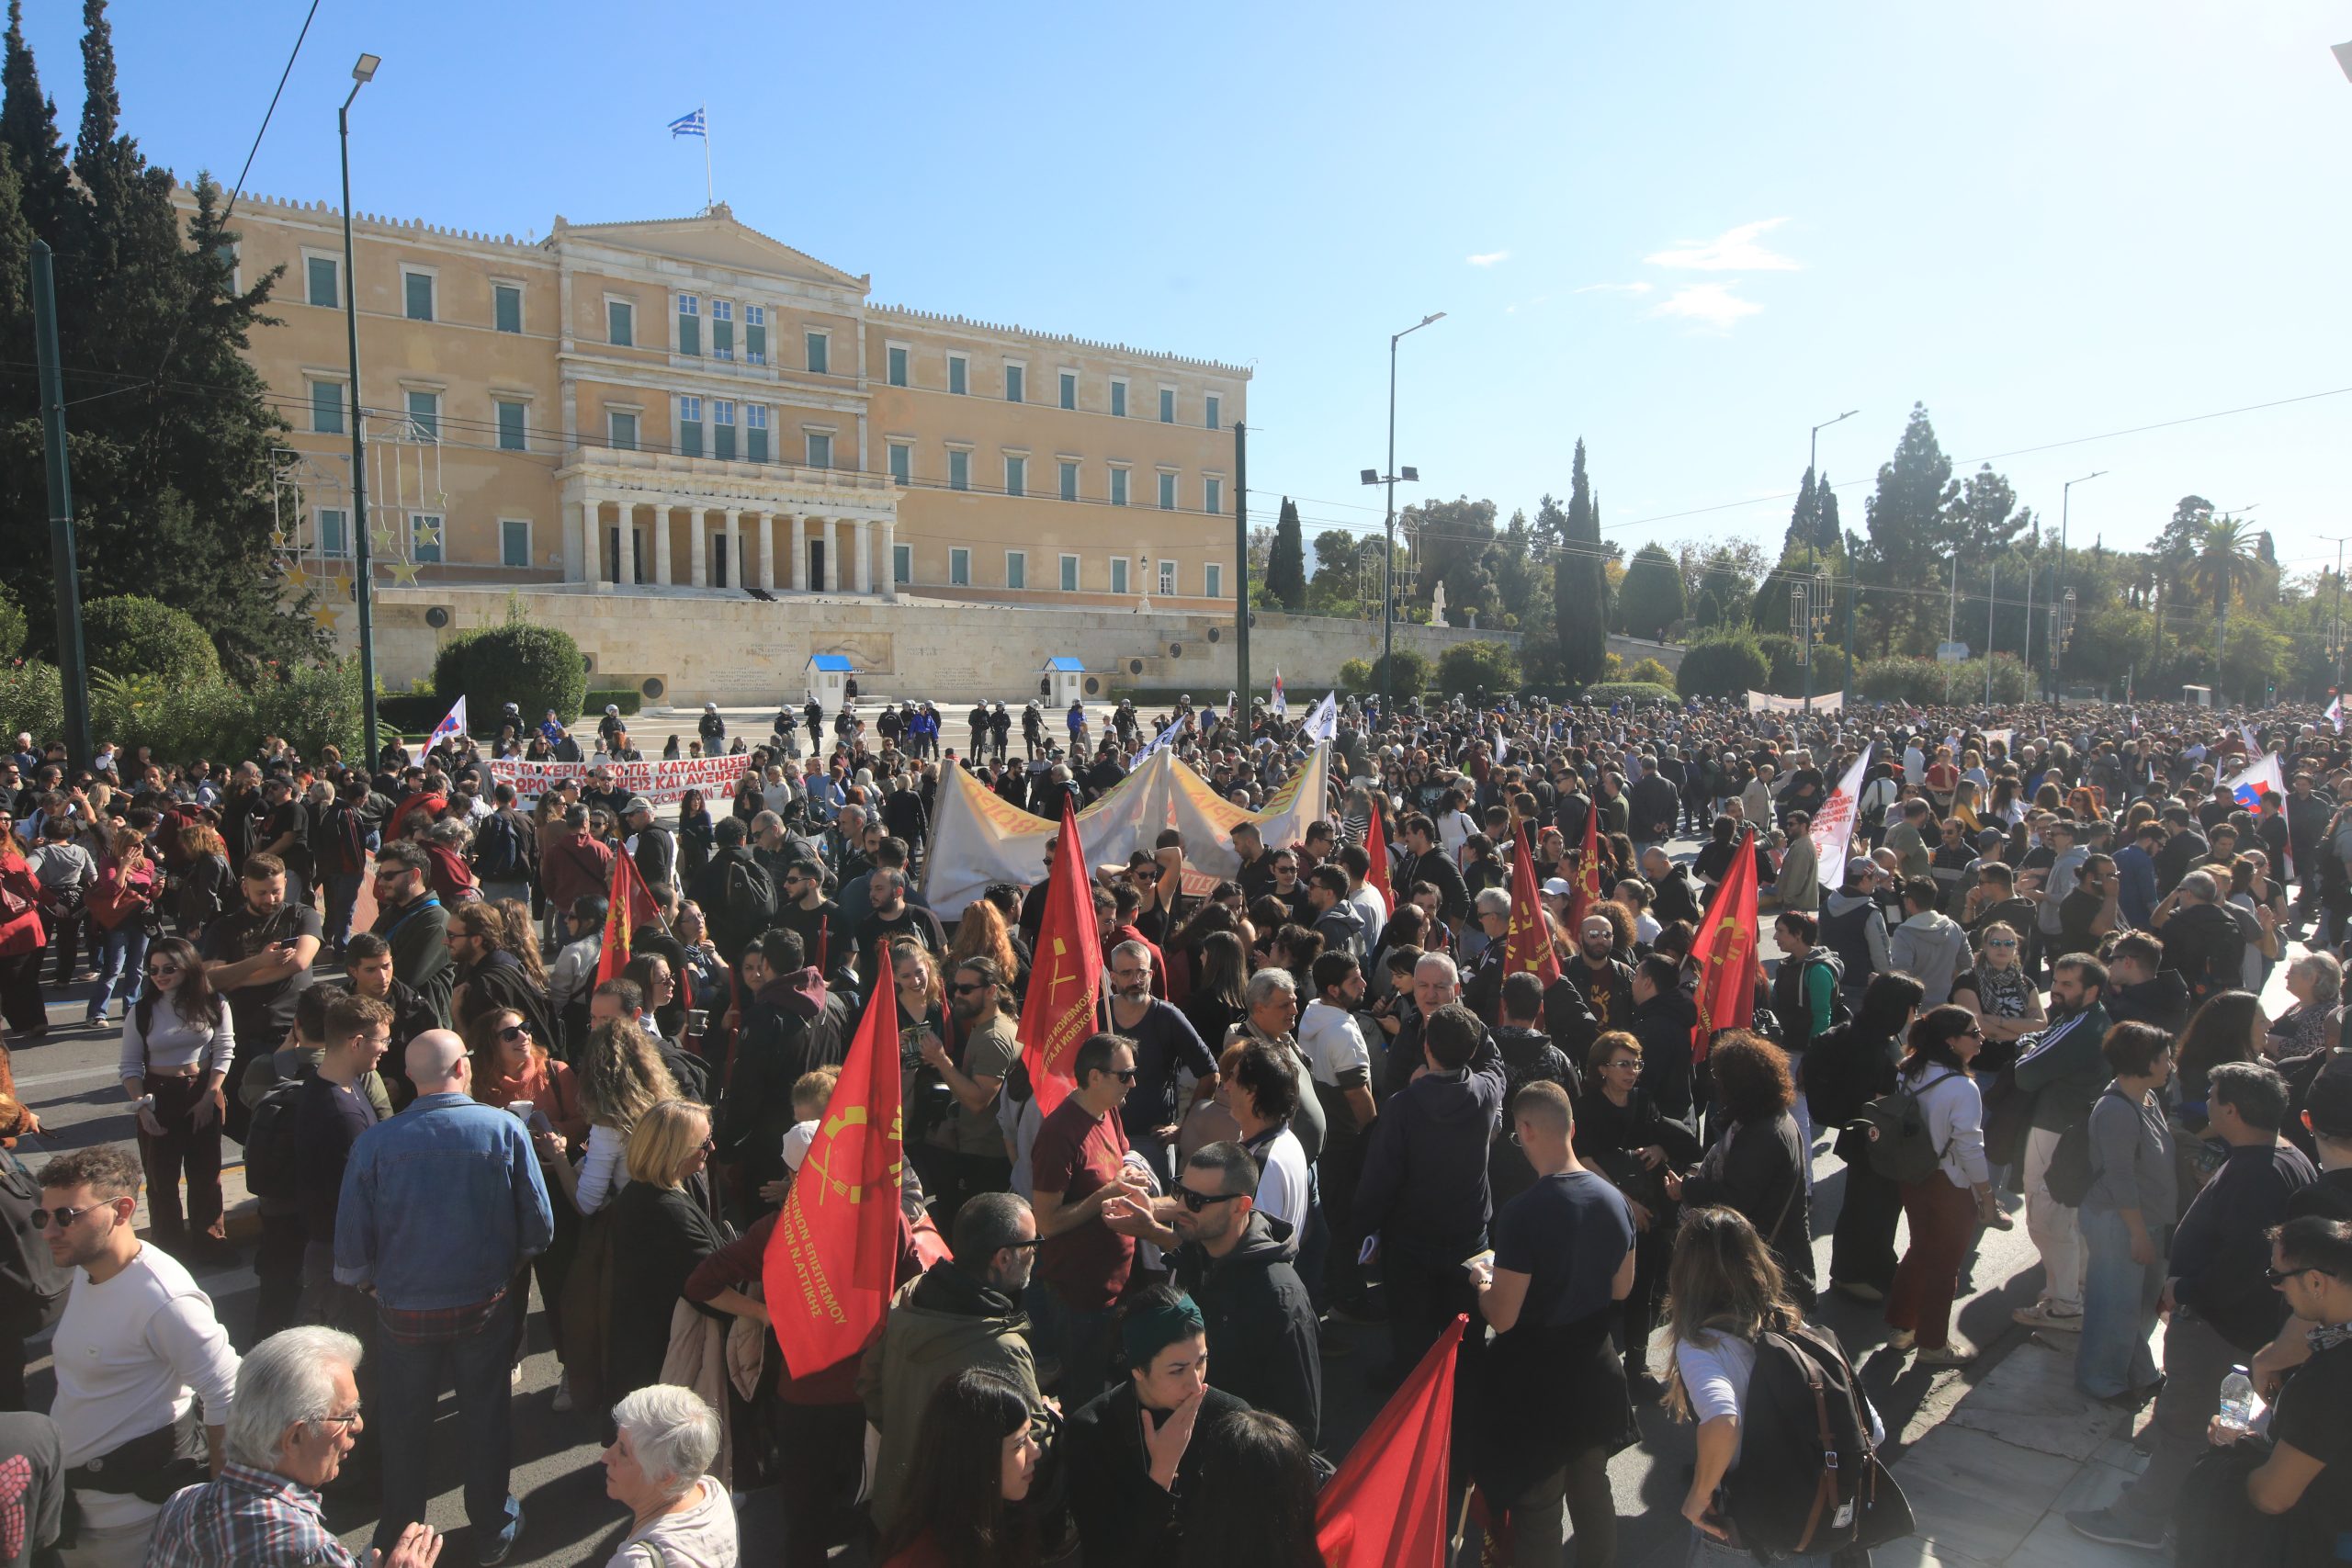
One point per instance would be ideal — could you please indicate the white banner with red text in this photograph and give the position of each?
(662, 782)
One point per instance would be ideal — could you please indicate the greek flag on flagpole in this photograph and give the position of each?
(690, 125)
(452, 724)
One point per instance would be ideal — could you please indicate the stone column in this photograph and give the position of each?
(890, 560)
(579, 528)
(623, 518)
(739, 570)
(767, 550)
(861, 552)
(657, 541)
(699, 570)
(799, 553)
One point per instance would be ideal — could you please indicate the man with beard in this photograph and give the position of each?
(816, 920)
(1238, 1264)
(1166, 1045)
(489, 976)
(409, 916)
(1675, 894)
(2066, 1072)
(368, 962)
(977, 1161)
(893, 919)
(1606, 983)
(259, 955)
(1662, 1019)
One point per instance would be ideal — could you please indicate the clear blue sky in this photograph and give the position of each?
(1684, 233)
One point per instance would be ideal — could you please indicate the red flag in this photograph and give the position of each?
(1376, 846)
(830, 1260)
(1587, 891)
(1724, 950)
(1386, 1507)
(1527, 948)
(1065, 975)
(632, 905)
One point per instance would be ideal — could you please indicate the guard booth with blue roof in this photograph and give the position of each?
(1065, 681)
(828, 676)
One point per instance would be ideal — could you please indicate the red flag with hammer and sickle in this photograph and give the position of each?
(1065, 976)
(1526, 947)
(1725, 951)
(830, 1257)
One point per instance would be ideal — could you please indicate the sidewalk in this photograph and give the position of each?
(1991, 1477)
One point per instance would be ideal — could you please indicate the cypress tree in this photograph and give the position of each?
(1581, 585)
(29, 135)
(1286, 563)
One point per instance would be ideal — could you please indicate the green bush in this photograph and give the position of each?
(595, 702)
(1649, 672)
(1355, 675)
(129, 635)
(12, 628)
(1788, 675)
(32, 698)
(1412, 673)
(1629, 691)
(1467, 666)
(536, 667)
(1925, 681)
(311, 706)
(1723, 667)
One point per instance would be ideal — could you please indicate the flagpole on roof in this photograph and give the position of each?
(710, 194)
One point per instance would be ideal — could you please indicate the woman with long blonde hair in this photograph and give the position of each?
(621, 1076)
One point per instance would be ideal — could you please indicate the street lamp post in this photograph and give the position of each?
(362, 566)
(2066, 507)
(1813, 548)
(1388, 567)
(2336, 615)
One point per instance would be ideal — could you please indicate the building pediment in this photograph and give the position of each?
(713, 239)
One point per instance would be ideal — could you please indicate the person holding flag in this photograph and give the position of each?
(451, 727)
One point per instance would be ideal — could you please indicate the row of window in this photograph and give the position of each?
(897, 370)
(1070, 579)
(1068, 488)
(420, 292)
(427, 536)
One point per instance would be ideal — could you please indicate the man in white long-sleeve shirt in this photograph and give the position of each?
(137, 1346)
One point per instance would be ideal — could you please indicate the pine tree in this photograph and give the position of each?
(171, 468)
(1286, 566)
(1580, 584)
(1907, 524)
(1803, 524)
(29, 135)
(1828, 535)
(1650, 600)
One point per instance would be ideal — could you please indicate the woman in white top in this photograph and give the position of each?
(621, 1076)
(1945, 1209)
(177, 1044)
(680, 1517)
(1723, 1289)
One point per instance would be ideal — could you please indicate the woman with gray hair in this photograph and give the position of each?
(2316, 982)
(682, 1517)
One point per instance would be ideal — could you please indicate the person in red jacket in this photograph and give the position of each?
(21, 941)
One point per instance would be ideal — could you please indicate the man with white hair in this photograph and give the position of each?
(442, 1206)
(295, 1421)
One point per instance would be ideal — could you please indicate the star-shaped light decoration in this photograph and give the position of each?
(278, 538)
(324, 614)
(403, 571)
(385, 541)
(342, 581)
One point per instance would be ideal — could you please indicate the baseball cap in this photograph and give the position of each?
(1558, 886)
(1861, 865)
(2329, 1103)
(635, 803)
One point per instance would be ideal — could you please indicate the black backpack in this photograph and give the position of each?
(748, 894)
(32, 1287)
(498, 848)
(1902, 1149)
(1809, 1479)
(270, 1159)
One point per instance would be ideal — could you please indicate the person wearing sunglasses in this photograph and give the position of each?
(137, 1338)
(1078, 1165)
(178, 1042)
(1945, 1208)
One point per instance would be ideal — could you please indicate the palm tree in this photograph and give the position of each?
(2226, 556)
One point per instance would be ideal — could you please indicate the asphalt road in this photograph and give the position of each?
(70, 1079)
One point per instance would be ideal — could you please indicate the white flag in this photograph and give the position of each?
(1282, 702)
(452, 724)
(2335, 715)
(1323, 720)
(1833, 825)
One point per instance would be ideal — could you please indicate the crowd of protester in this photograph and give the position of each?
(2030, 989)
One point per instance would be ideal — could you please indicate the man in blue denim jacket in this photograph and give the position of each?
(442, 1205)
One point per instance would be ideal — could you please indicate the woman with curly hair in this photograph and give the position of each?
(982, 934)
(621, 1078)
(1758, 1164)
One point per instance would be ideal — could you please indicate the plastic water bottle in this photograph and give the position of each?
(2238, 1403)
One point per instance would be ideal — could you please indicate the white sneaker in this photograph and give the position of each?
(2042, 1315)
(1901, 1339)
(515, 1376)
(1955, 1352)
(561, 1403)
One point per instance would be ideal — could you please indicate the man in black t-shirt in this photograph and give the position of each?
(330, 1113)
(2310, 1424)
(259, 955)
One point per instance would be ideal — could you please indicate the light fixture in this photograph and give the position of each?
(1409, 473)
(366, 70)
(1371, 475)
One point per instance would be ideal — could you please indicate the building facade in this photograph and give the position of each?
(688, 404)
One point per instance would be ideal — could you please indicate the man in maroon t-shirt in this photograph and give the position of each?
(1078, 1165)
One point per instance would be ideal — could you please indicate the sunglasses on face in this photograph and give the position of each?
(1997, 942)
(515, 1031)
(2276, 1276)
(1196, 1201)
(63, 1218)
(962, 990)
(162, 971)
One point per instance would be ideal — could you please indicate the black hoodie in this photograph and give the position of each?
(792, 1026)
(2162, 1001)
(1264, 1345)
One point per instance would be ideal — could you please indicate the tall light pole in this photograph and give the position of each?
(1812, 550)
(363, 565)
(1388, 568)
(2058, 585)
(2335, 620)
